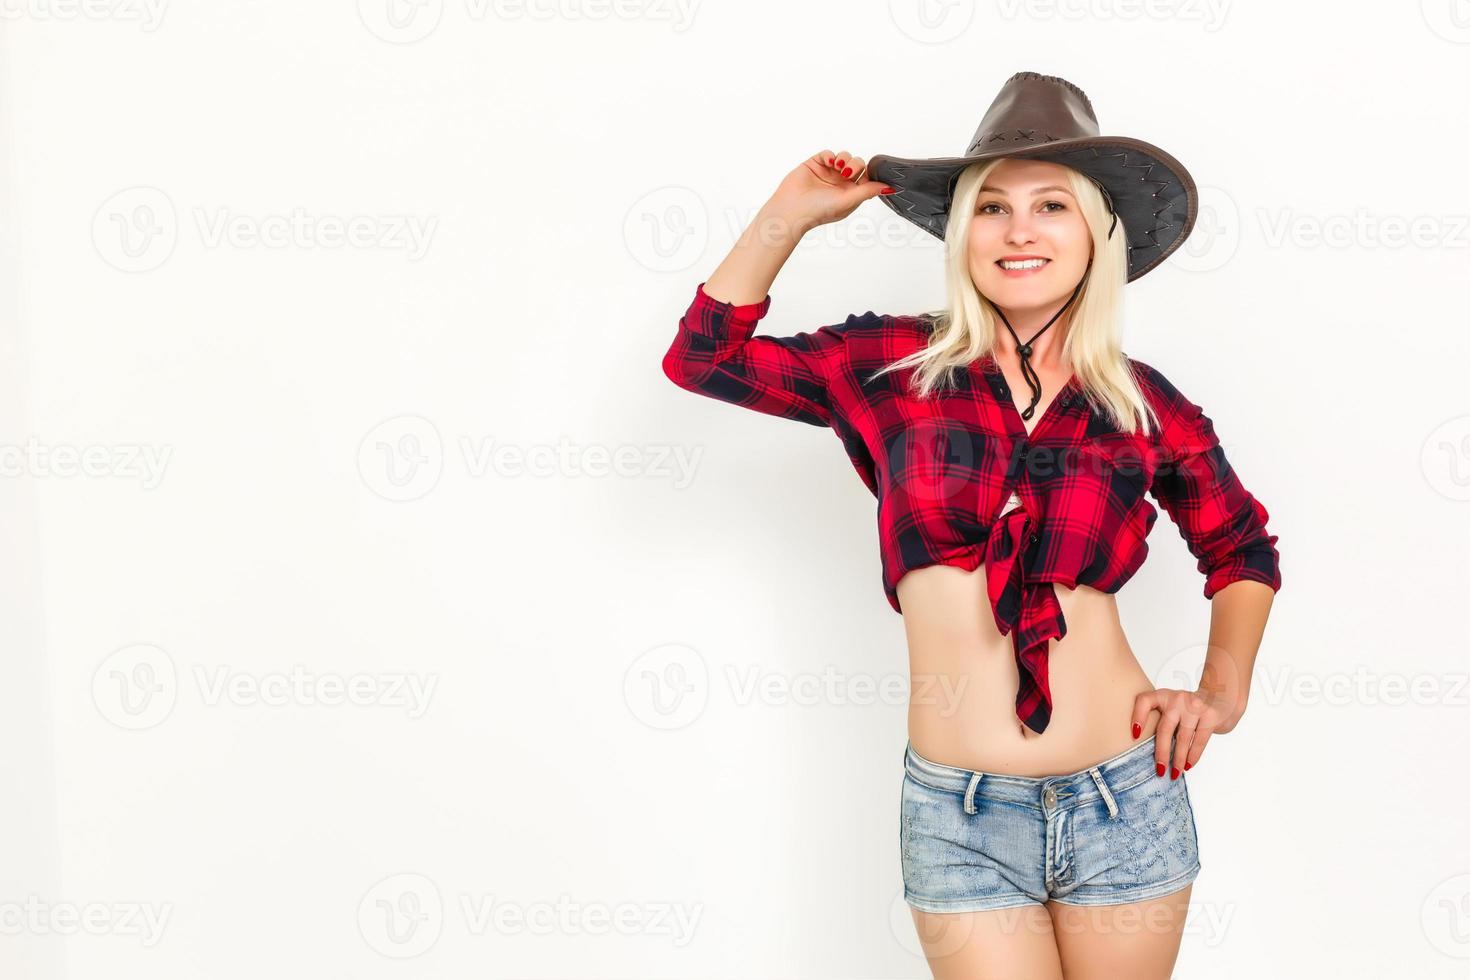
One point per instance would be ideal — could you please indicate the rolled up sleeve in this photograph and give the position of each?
(716, 354)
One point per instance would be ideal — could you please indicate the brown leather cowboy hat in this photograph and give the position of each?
(1043, 117)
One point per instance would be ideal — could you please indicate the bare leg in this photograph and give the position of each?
(1138, 940)
(1004, 944)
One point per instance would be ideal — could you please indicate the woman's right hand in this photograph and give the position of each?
(818, 192)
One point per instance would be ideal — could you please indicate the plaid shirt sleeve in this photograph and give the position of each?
(715, 354)
(1222, 523)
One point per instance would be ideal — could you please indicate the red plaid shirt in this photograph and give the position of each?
(943, 468)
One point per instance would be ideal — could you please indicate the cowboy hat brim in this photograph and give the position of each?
(1153, 194)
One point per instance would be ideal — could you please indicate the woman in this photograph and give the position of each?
(1039, 835)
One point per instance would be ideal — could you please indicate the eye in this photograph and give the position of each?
(1050, 207)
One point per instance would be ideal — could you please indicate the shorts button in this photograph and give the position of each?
(1050, 797)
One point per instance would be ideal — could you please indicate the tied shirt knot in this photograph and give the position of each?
(1028, 611)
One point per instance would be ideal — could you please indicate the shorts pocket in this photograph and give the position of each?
(1152, 842)
(955, 862)
(923, 812)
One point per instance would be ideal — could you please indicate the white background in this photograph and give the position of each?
(308, 457)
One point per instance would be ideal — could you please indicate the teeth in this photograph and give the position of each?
(1027, 264)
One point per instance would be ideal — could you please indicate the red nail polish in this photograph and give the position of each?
(839, 161)
(1160, 766)
(829, 161)
(847, 172)
(888, 190)
(1137, 728)
(1173, 773)
(1188, 764)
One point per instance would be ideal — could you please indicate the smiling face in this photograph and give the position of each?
(1029, 244)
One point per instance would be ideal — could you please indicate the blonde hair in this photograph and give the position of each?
(968, 328)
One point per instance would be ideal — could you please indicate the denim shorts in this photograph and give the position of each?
(1115, 832)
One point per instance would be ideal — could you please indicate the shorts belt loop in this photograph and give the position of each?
(970, 792)
(1107, 794)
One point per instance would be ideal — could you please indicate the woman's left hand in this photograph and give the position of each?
(1187, 719)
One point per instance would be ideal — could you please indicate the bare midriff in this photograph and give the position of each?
(963, 680)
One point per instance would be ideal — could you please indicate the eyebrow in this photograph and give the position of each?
(1038, 190)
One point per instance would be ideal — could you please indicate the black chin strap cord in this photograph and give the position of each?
(1111, 210)
(1033, 381)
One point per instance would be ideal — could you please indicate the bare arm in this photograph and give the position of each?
(813, 194)
(1226, 529)
(1238, 615)
(715, 351)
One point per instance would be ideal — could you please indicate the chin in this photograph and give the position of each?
(1020, 296)
(1041, 290)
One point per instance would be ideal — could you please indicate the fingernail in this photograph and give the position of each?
(1161, 767)
(839, 162)
(847, 172)
(829, 161)
(1173, 773)
(1136, 729)
(1188, 764)
(888, 190)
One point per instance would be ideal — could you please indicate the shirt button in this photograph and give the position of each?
(1035, 538)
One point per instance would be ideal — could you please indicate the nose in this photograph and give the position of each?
(1020, 230)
